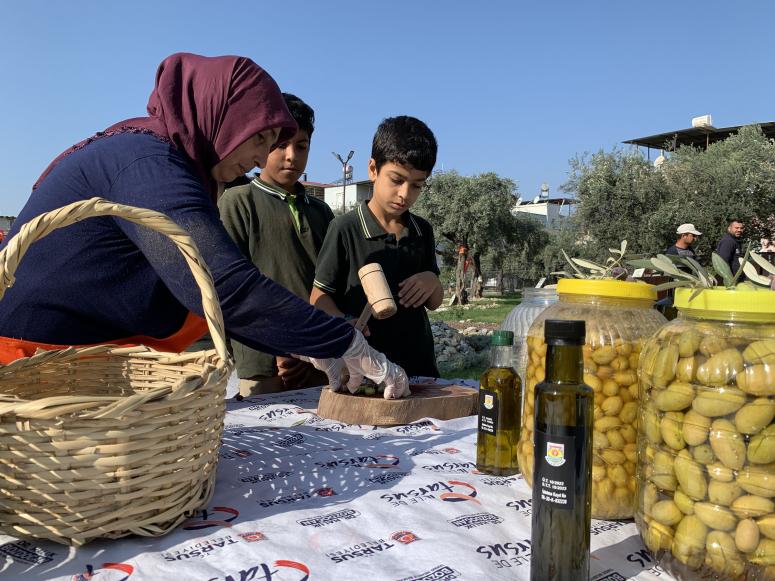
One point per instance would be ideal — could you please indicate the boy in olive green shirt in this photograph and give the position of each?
(280, 229)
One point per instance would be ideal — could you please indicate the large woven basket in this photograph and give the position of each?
(108, 441)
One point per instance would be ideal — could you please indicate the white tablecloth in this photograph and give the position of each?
(298, 498)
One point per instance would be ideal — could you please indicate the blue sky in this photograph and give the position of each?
(512, 87)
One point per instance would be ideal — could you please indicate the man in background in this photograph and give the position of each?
(730, 247)
(687, 235)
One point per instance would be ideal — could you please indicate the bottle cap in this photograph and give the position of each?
(502, 338)
(558, 332)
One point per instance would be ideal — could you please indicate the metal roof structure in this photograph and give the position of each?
(700, 137)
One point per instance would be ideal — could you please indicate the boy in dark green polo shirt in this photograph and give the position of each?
(383, 230)
(281, 229)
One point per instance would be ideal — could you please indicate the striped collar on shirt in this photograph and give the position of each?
(371, 228)
(277, 192)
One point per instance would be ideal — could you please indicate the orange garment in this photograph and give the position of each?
(193, 328)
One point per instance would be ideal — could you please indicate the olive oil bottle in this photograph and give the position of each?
(500, 409)
(562, 477)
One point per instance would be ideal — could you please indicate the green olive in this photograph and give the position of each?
(761, 449)
(755, 416)
(721, 368)
(727, 444)
(690, 476)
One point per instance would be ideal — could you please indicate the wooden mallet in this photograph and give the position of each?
(379, 299)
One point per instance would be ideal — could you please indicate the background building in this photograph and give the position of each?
(355, 193)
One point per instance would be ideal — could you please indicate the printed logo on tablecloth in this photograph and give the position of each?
(417, 428)
(405, 537)
(499, 480)
(524, 506)
(471, 521)
(253, 537)
(279, 413)
(296, 497)
(329, 519)
(121, 572)
(449, 450)
(238, 430)
(292, 440)
(201, 549)
(26, 552)
(602, 526)
(265, 477)
(609, 575)
(373, 547)
(511, 554)
(231, 454)
(387, 477)
(438, 573)
(281, 570)
(380, 461)
(449, 491)
(219, 516)
(452, 467)
(645, 559)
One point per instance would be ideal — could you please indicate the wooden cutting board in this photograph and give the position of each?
(443, 402)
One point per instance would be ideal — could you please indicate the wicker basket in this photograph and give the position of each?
(109, 441)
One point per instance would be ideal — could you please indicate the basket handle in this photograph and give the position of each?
(46, 223)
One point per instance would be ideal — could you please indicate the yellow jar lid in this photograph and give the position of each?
(738, 303)
(607, 288)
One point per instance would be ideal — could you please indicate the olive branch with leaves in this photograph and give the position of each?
(595, 271)
(698, 277)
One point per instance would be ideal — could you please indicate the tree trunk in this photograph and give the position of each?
(499, 282)
(459, 275)
(476, 282)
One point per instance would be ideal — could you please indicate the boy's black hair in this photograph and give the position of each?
(302, 113)
(404, 140)
(733, 219)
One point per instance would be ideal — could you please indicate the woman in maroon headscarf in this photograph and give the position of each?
(106, 280)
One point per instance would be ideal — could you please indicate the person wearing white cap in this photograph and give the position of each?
(687, 234)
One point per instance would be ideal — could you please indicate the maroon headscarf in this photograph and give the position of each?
(206, 107)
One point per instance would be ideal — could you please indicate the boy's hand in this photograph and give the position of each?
(417, 289)
(293, 372)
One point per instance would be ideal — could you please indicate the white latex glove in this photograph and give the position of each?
(361, 361)
(335, 370)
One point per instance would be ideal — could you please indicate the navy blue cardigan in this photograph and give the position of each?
(106, 278)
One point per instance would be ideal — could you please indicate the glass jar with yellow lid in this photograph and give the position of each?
(619, 318)
(706, 464)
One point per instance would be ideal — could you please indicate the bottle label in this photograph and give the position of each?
(488, 411)
(555, 468)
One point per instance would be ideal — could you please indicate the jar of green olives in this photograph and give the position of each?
(619, 318)
(706, 444)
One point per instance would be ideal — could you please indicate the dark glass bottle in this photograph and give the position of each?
(562, 477)
(500, 408)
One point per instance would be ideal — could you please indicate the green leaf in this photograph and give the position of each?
(761, 261)
(750, 272)
(722, 268)
(743, 262)
(570, 262)
(695, 294)
(641, 263)
(705, 277)
(588, 264)
(663, 263)
(672, 284)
